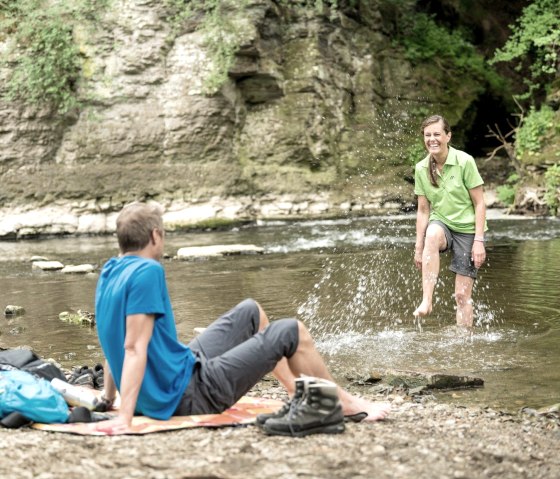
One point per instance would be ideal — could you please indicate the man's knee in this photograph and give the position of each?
(249, 308)
(243, 319)
(248, 303)
(283, 335)
(305, 338)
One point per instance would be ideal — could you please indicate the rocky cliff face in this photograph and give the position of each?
(311, 121)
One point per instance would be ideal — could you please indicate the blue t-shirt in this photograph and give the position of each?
(133, 285)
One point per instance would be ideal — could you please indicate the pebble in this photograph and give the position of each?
(378, 450)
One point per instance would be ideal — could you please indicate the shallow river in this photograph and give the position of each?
(352, 281)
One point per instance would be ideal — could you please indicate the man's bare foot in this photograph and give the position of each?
(376, 411)
(424, 309)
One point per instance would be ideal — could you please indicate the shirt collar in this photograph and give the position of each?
(451, 158)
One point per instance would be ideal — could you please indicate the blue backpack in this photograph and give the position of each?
(32, 397)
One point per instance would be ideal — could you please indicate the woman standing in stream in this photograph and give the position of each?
(451, 217)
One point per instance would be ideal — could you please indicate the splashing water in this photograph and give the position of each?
(362, 303)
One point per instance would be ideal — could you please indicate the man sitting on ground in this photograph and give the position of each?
(156, 374)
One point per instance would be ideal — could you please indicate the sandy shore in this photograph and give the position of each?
(421, 439)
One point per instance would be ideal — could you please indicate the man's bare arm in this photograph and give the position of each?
(139, 329)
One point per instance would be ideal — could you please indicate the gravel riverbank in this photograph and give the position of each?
(421, 439)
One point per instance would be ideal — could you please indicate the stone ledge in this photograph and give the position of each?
(197, 252)
(91, 218)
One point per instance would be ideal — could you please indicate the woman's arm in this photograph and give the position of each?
(478, 250)
(422, 219)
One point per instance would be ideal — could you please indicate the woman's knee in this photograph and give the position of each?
(435, 237)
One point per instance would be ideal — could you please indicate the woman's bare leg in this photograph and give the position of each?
(463, 298)
(434, 243)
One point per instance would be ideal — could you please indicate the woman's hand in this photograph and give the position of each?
(418, 257)
(478, 254)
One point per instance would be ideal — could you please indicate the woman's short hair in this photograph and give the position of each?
(135, 224)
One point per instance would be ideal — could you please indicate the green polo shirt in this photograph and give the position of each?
(450, 201)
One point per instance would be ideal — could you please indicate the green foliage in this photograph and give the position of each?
(535, 42)
(552, 194)
(222, 29)
(506, 193)
(44, 60)
(529, 136)
(415, 152)
(424, 40)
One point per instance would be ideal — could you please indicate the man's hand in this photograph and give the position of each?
(113, 427)
(478, 254)
(104, 404)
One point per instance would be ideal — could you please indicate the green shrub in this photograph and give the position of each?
(552, 194)
(424, 40)
(529, 136)
(506, 193)
(535, 43)
(43, 58)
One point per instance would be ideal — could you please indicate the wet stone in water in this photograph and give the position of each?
(13, 310)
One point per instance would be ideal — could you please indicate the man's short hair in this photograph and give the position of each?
(135, 224)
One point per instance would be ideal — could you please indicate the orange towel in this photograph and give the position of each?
(243, 412)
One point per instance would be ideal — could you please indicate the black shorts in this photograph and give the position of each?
(232, 356)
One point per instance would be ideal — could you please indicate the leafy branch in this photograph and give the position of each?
(43, 58)
(534, 43)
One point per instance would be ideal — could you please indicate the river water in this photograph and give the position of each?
(352, 281)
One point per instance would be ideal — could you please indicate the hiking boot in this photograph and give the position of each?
(319, 411)
(83, 376)
(301, 387)
(98, 376)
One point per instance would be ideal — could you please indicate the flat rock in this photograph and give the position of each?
(429, 380)
(78, 269)
(47, 265)
(78, 317)
(194, 252)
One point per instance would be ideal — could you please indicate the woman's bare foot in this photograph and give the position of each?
(424, 309)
